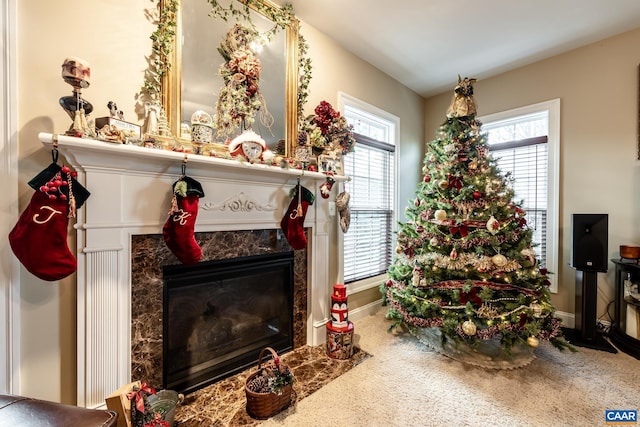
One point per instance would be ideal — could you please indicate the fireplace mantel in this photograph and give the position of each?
(130, 195)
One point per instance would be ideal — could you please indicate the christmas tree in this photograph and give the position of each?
(465, 267)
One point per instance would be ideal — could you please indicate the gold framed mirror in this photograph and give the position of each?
(193, 81)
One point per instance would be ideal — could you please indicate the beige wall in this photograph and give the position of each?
(113, 36)
(599, 171)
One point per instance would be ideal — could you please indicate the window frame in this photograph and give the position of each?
(552, 108)
(345, 100)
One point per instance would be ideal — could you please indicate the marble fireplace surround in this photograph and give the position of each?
(130, 196)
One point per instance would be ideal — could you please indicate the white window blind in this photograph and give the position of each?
(527, 162)
(519, 145)
(367, 244)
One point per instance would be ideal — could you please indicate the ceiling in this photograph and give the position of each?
(425, 44)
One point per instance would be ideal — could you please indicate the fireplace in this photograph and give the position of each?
(218, 315)
(120, 252)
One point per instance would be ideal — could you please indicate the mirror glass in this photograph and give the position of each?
(196, 81)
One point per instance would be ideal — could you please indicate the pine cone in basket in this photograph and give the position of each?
(258, 384)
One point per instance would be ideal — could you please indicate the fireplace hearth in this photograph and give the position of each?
(218, 315)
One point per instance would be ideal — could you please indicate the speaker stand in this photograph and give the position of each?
(586, 332)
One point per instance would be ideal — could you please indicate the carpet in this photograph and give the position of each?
(406, 384)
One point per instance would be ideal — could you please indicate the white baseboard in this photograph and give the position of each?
(364, 311)
(568, 319)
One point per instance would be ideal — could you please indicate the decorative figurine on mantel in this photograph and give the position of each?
(114, 128)
(77, 73)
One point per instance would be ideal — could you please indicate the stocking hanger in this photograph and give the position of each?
(184, 166)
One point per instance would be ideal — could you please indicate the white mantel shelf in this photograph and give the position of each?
(130, 190)
(79, 151)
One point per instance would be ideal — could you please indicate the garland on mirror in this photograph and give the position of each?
(280, 16)
(161, 49)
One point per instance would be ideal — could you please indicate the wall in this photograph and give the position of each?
(113, 36)
(598, 90)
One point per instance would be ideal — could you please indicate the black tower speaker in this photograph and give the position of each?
(589, 242)
(589, 249)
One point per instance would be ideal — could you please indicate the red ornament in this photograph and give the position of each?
(427, 178)
(477, 195)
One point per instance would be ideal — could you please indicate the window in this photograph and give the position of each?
(525, 144)
(368, 244)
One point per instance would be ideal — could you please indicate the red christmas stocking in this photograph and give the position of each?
(325, 188)
(39, 238)
(292, 223)
(178, 229)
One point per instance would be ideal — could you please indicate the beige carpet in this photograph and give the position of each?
(406, 384)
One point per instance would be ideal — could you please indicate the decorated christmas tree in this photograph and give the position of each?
(465, 272)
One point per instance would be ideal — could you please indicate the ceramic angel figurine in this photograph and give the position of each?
(152, 111)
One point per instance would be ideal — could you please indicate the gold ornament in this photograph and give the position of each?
(443, 184)
(536, 309)
(499, 260)
(440, 215)
(469, 328)
(533, 342)
(473, 165)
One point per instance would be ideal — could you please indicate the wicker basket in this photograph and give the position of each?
(265, 405)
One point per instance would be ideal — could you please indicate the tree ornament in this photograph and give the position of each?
(444, 184)
(427, 178)
(533, 342)
(536, 310)
(454, 254)
(433, 242)
(440, 215)
(493, 225)
(398, 249)
(469, 328)
(499, 260)
(477, 194)
(473, 164)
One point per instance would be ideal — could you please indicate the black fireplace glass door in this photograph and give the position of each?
(218, 315)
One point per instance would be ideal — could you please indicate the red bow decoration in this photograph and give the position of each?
(462, 229)
(471, 295)
(139, 397)
(524, 319)
(455, 182)
(409, 252)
